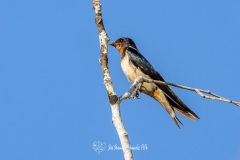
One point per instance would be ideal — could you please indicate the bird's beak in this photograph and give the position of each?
(112, 44)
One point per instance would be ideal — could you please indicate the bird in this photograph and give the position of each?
(134, 65)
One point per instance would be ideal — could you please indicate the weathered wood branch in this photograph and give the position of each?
(113, 99)
(203, 93)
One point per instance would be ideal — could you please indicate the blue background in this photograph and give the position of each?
(53, 104)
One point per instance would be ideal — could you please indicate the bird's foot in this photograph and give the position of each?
(136, 93)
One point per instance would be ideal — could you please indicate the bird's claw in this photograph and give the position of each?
(135, 95)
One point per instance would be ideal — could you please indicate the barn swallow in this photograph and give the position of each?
(134, 64)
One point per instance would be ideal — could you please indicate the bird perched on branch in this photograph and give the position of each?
(134, 65)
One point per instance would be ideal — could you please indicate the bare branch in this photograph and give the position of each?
(115, 104)
(203, 93)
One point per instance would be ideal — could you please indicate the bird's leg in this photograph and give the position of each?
(136, 92)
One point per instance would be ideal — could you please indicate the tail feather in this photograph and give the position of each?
(162, 99)
(178, 105)
(166, 100)
(187, 114)
(177, 121)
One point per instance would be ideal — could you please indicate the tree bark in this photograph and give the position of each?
(113, 99)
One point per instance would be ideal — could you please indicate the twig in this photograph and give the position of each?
(203, 93)
(114, 103)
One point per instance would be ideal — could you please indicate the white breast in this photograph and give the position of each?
(128, 68)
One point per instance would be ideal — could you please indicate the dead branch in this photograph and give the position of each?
(114, 103)
(203, 93)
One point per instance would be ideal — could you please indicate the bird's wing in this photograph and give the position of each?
(141, 62)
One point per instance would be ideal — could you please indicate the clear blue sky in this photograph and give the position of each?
(53, 104)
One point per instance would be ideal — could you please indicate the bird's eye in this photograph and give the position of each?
(121, 40)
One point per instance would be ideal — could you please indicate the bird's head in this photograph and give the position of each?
(122, 43)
